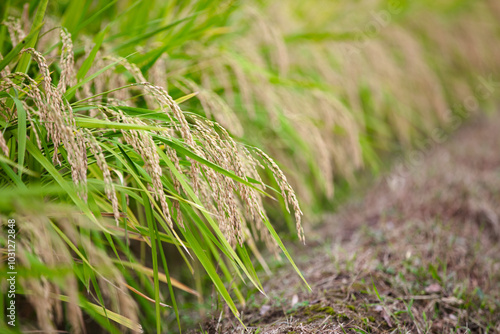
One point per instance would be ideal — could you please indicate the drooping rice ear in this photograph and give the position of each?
(144, 145)
(109, 188)
(67, 62)
(286, 191)
(3, 145)
(15, 30)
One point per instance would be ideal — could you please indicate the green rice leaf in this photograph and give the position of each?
(21, 133)
(87, 63)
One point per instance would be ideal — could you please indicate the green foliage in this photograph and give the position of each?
(87, 143)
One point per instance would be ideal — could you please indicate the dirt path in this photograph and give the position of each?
(420, 253)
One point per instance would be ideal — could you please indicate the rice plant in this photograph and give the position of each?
(140, 137)
(97, 176)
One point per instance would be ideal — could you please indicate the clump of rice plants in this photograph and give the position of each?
(342, 83)
(99, 179)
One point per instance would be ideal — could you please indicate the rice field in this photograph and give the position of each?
(155, 155)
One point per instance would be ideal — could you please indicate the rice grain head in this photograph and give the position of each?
(57, 114)
(15, 30)
(109, 188)
(287, 192)
(67, 62)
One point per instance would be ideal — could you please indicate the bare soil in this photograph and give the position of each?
(418, 253)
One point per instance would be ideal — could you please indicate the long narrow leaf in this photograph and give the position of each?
(21, 133)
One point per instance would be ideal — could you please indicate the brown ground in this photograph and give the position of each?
(419, 253)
